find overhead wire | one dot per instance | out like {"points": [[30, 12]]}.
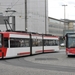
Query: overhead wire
{"points": [[14, 3], [11, 6]]}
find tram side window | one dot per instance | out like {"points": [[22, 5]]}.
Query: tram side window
{"points": [[5, 42], [37, 42], [50, 42], [46, 42], [14, 43], [27, 43], [57, 42], [19, 42]]}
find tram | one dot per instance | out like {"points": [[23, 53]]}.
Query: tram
{"points": [[16, 43]]}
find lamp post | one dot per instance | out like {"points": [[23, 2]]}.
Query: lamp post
{"points": [[45, 19], [26, 15], [64, 18]]}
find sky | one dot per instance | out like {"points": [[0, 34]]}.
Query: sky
{"points": [[56, 10]]}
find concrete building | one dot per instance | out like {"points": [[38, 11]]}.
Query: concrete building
{"points": [[60, 27], [30, 15], [55, 26]]}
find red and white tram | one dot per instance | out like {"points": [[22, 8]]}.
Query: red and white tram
{"points": [[14, 44]]}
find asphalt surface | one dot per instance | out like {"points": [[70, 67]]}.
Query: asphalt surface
{"points": [[42, 64]]}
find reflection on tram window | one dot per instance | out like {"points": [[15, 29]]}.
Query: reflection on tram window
{"points": [[27, 43], [37, 42], [50, 42], [17, 42], [46, 43]]}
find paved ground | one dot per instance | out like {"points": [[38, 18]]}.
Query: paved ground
{"points": [[43, 64], [59, 59]]}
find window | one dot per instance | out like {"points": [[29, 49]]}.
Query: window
{"points": [[6, 42], [27, 42], [19, 42], [71, 42], [37, 42], [51, 42]]}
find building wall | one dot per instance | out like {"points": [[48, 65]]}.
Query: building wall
{"points": [[74, 26], [35, 14], [19, 7], [55, 26], [58, 28], [71, 26]]}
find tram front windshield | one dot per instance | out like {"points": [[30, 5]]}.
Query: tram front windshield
{"points": [[71, 42], [0, 40]]}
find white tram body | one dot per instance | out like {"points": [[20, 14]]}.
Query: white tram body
{"points": [[14, 44]]}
